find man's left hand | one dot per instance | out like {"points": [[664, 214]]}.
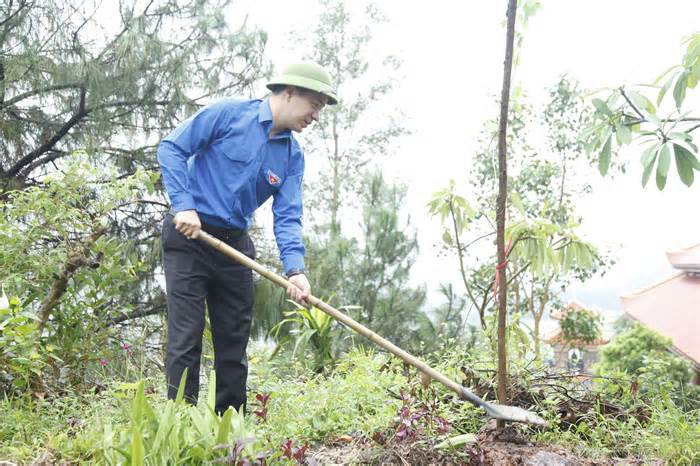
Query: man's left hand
{"points": [[300, 289]]}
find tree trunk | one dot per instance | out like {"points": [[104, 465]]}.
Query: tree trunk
{"points": [[501, 208], [335, 200], [539, 313], [76, 258], [536, 335]]}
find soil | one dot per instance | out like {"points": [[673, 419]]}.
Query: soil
{"points": [[504, 447]]}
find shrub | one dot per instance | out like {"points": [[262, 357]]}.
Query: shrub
{"points": [[581, 325], [640, 352], [23, 357]]}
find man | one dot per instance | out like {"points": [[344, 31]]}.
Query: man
{"points": [[218, 167]]}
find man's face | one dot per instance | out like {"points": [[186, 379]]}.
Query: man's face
{"points": [[303, 108]]}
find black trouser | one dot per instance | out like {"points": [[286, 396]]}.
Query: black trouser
{"points": [[195, 274]]}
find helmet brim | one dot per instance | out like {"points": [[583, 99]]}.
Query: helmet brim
{"points": [[305, 83]]}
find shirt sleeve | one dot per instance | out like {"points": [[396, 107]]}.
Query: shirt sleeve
{"points": [[193, 135], [287, 209]]}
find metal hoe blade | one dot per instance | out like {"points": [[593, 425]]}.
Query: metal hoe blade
{"points": [[503, 412], [513, 413]]}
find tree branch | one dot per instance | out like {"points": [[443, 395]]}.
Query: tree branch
{"points": [[137, 313], [9, 18], [634, 107], [48, 145], [25, 95], [75, 260], [29, 161]]}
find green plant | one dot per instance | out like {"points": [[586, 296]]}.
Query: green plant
{"points": [[23, 357], [354, 398], [309, 328], [581, 325], [665, 433], [69, 268], [625, 115], [644, 354], [173, 432]]}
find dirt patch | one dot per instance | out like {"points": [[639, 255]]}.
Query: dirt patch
{"points": [[366, 451], [506, 447]]}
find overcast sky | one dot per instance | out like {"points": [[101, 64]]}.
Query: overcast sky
{"points": [[452, 54]]}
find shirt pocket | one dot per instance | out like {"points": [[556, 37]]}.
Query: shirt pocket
{"points": [[239, 156]]}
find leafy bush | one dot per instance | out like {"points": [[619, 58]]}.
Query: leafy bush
{"points": [[60, 257], [643, 353], [581, 325], [23, 357]]}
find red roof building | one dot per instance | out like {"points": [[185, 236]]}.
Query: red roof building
{"points": [[672, 306]]}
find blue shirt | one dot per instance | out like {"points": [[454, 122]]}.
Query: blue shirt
{"points": [[223, 163]]}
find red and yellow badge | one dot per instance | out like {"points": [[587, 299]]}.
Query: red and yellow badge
{"points": [[272, 178]]}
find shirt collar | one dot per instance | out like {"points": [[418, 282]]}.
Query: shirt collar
{"points": [[264, 111], [265, 115]]}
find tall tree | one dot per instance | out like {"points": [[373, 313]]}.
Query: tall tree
{"points": [[69, 80], [501, 281], [377, 280], [364, 262], [340, 41], [110, 79], [542, 229]]}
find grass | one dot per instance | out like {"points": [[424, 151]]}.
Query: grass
{"points": [[355, 399], [50, 427], [289, 407], [669, 434]]}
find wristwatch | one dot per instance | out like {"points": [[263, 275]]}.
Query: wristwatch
{"points": [[293, 272]]}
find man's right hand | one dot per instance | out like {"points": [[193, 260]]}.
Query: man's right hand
{"points": [[187, 222]]}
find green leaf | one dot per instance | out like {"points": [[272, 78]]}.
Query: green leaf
{"points": [[602, 107], [679, 89], [651, 154], [137, 452], [181, 388], [641, 102], [224, 427], [665, 88], [624, 135], [680, 135], [138, 404], [683, 166], [662, 168], [688, 155], [211, 393], [517, 201], [198, 453], [447, 238], [604, 161], [456, 441]]}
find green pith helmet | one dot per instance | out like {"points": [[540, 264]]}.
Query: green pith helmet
{"points": [[308, 76]]}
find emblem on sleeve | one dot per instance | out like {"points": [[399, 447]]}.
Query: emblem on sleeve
{"points": [[272, 178]]}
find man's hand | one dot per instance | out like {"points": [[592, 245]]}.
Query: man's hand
{"points": [[187, 222], [300, 289]]}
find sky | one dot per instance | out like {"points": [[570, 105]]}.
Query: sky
{"points": [[452, 54]]}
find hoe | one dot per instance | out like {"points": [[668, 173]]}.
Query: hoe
{"points": [[496, 411]]}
